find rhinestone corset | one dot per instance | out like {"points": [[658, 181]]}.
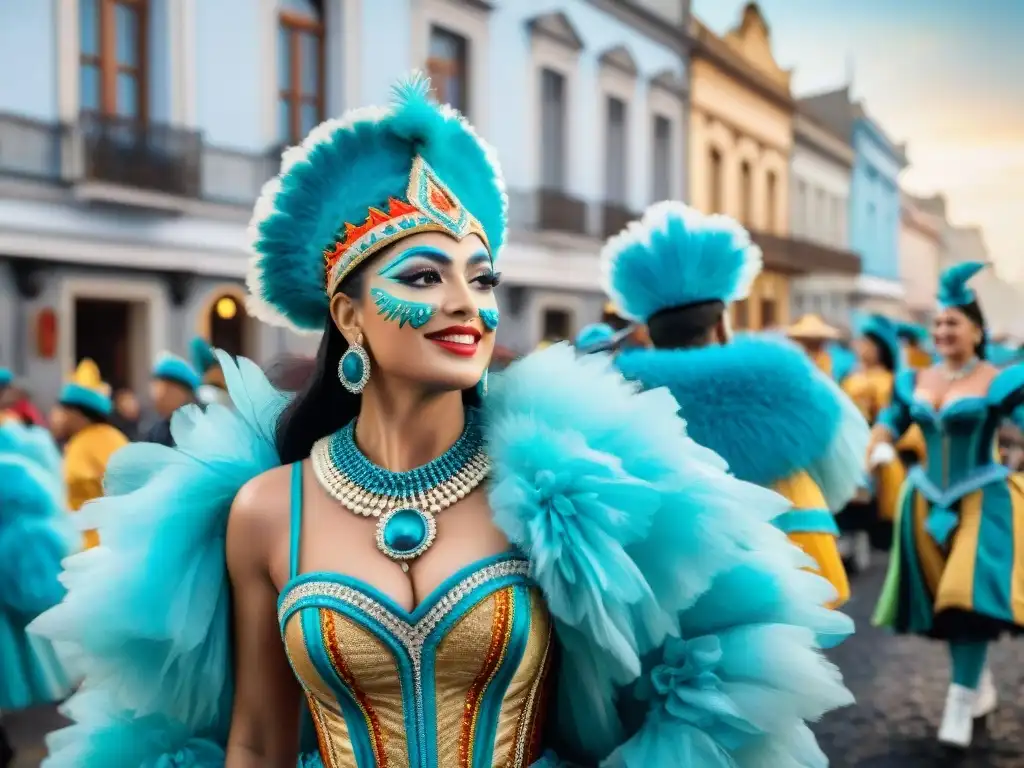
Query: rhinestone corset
{"points": [[459, 681]]}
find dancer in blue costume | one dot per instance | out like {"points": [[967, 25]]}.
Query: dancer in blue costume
{"points": [[957, 571], [759, 402], [33, 541], [439, 577]]}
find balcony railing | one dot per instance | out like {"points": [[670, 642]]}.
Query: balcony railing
{"points": [[156, 158], [615, 217], [29, 148], [560, 212]]}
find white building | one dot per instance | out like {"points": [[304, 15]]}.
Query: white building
{"points": [[821, 167], [136, 135], [921, 240]]}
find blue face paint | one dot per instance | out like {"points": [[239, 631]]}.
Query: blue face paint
{"points": [[392, 270], [415, 313], [490, 318]]}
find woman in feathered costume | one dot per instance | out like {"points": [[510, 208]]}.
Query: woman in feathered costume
{"points": [[759, 402], [957, 571], [33, 541], [438, 577]]}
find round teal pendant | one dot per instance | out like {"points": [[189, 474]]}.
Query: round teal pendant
{"points": [[405, 533]]}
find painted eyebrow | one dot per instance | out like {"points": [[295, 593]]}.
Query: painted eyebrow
{"points": [[426, 251], [477, 257]]}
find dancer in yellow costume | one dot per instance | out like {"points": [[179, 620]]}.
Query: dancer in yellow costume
{"points": [[80, 420], [759, 402]]}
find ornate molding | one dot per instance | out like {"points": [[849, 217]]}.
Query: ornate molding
{"points": [[620, 58], [556, 26]]}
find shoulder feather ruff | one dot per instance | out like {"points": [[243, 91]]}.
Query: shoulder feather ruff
{"points": [[689, 630], [764, 406], [146, 616]]}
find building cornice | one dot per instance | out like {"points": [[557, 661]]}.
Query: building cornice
{"points": [[811, 134], [649, 24], [708, 46]]}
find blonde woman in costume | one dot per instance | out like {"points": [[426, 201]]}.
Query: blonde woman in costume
{"points": [[758, 401], [957, 571], [439, 568]]}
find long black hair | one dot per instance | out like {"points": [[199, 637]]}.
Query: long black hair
{"points": [[323, 405], [885, 352]]}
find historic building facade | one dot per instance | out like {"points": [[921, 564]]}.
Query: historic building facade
{"points": [[820, 177], [136, 139], [875, 199], [741, 140], [922, 227]]}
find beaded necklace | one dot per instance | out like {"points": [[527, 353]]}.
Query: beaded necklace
{"points": [[405, 503], [955, 374]]}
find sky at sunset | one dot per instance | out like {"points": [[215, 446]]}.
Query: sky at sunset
{"points": [[946, 76]]}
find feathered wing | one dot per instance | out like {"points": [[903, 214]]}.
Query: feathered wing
{"points": [[765, 408], [146, 616], [687, 623]]}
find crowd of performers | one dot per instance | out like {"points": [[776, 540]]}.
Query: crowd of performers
{"points": [[628, 551]]}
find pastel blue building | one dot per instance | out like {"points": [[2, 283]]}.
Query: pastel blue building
{"points": [[135, 136], [875, 202]]}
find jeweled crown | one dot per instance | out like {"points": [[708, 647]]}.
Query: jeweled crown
{"points": [[430, 206]]}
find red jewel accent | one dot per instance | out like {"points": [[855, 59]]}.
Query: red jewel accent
{"points": [[440, 200]]}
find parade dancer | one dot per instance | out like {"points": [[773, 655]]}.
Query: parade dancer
{"points": [[80, 421], [33, 541], [956, 573], [411, 547], [172, 386], [817, 338], [758, 401], [915, 340], [213, 388]]}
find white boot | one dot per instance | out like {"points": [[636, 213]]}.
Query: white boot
{"points": [[987, 698], [958, 719]]}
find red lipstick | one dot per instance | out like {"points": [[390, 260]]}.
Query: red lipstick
{"points": [[460, 340]]}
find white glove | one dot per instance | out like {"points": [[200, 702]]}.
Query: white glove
{"points": [[883, 453]]}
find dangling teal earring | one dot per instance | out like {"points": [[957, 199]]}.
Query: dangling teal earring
{"points": [[481, 386], [354, 367]]}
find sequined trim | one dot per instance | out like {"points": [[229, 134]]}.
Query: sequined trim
{"points": [[501, 632], [373, 726], [526, 730]]}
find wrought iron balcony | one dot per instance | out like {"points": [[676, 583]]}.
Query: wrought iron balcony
{"points": [[29, 148], [146, 156], [561, 212], [615, 217]]}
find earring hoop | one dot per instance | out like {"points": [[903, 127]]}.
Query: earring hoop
{"points": [[354, 367]]}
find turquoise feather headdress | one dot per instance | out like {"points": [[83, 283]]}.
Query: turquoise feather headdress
{"points": [[359, 183], [201, 354], [884, 331], [912, 332], [675, 256], [953, 288]]}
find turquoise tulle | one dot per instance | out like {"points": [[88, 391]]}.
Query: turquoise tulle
{"points": [[151, 603], [637, 537], [647, 551], [34, 538]]}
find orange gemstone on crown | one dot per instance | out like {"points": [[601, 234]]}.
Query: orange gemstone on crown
{"points": [[440, 200]]}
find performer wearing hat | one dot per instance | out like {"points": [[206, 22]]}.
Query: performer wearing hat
{"points": [[956, 573], [173, 386], [212, 388], [759, 402], [815, 336], [915, 339], [81, 421], [440, 571]]}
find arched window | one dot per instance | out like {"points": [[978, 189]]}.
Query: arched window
{"points": [[228, 325]]}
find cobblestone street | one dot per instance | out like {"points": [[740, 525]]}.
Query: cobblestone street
{"points": [[900, 684]]}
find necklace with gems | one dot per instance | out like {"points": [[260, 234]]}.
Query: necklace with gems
{"points": [[955, 374], [405, 503]]}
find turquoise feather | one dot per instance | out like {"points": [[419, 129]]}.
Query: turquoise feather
{"points": [[953, 288], [201, 354]]}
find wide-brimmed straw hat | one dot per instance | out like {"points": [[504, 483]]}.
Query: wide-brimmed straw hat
{"points": [[812, 328]]}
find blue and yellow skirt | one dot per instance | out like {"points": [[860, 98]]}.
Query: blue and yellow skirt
{"points": [[969, 586]]}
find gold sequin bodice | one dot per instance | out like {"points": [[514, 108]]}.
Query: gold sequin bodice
{"points": [[459, 681]]}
